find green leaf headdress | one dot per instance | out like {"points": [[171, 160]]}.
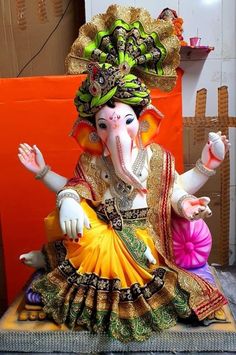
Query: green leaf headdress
{"points": [[118, 49]]}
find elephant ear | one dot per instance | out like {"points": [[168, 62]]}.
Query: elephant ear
{"points": [[86, 136], [149, 122]]}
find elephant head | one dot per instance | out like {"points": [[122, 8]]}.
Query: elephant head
{"points": [[116, 133]]}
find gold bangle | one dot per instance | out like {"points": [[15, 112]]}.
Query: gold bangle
{"points": [[43, 172], [179, 203], [66, 195], [204, 170]]}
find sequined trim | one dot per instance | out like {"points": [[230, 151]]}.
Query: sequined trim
{"points": [[54, 254], [204, 298], [135, 246], [100, 305], [113, 216], [135, 214], [142, 52], [93, 175], [104, 284], [82, 190], [88, 182]]}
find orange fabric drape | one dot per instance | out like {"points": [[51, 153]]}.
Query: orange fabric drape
{"points": [[40, 110]]}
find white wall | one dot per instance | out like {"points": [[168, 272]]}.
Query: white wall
{"points": [[215, 22]]}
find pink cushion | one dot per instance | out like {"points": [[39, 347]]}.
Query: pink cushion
{"points": [[192, 242]]}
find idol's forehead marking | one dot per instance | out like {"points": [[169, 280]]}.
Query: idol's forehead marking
{"points": [[115, 116]]}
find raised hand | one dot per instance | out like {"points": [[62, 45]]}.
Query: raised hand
{"points": [[214, 151], [31, 158], [196, 208]]}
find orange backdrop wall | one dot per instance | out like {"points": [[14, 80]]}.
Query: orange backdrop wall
{"points": [[40, 110]]}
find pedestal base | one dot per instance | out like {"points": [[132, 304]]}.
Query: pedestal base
{"points": [[45, 336]]}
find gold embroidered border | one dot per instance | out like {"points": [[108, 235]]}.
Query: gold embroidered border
{"points": [[93, 175], [82, 190], [54, 253], [76, 63], [203, 297], [56, 292], [154, 196]]}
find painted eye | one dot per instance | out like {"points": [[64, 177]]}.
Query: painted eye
{"points": [[129, 120], [102, 125]]}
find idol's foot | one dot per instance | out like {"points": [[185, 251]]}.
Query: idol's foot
{"points": [[149, 256], [34, 259]]}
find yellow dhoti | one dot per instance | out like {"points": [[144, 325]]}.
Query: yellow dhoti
{"points": [[101, 251], [105, 283]]}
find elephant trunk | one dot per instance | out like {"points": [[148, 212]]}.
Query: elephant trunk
{"points": [[121, 156]]}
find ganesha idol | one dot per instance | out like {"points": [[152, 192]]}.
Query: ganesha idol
{"points": [[132, 248]]}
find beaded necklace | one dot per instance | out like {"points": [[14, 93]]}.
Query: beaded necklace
{"points": [[124, 193]]}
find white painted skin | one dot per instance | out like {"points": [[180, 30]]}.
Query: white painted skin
{"points": [[72, 217], [33, 160], [34, 259], [149, 256], [118, 128], [217, 146]]}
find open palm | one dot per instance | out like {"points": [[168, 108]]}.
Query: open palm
{"points": [[31, 158], [196, 208]]}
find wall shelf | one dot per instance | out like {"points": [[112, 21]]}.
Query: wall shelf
{"points": [[195, 53]]}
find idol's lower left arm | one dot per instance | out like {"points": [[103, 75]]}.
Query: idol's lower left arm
{"points": [[54, 181], [191, 181]]}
